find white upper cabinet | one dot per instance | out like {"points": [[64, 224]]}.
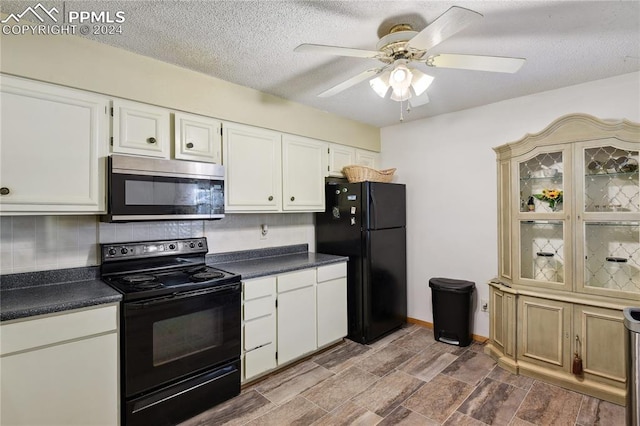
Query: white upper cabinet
{"points": [[53, 143], [304, 162], [340, 156], [140, 129], [197, 138], [252, 159], [269, 171], [367, 158]]}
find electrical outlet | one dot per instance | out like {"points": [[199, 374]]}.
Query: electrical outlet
{"points": [[264, 230], [484, 305]]}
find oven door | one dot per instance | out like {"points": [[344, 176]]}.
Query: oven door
{"points": [[169, 338], [145, 197]]}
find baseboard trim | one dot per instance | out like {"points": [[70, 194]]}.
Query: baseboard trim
{"points": [[475, 337]]}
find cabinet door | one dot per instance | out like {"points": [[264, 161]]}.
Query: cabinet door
{"points": [[599, 338], [140, 129], [502, 321], [541, 201], [304, 165], [544, 333], [296, 315], [340, 156], [367, 158], [332, 311], [53, 143], [252, 159], [197, 138], [74, 383], [608, 226]]}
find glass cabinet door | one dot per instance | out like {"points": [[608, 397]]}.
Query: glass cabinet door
{"points": [[542, 251], [542, 226], [541, 183], [610, 180], [609, 229]]}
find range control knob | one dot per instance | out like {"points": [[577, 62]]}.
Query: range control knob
{"points": [[124, 250], [172, 246], [200, 244], [192, 244], [112, 252]]}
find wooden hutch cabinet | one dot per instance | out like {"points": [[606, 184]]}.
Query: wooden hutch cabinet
{"points": [[569, 253]]}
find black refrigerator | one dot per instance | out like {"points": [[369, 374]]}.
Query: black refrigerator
{"points": [[366, 222]]}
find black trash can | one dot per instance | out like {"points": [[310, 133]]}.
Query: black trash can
{"points": [[452, 300]]}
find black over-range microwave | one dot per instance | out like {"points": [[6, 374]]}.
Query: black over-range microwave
{"points": [[143, 188]]}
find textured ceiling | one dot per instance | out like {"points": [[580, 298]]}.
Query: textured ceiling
{"points": [[251, 43]]}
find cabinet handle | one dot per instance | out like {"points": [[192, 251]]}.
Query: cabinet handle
{"points": [[151, 140], [293, 198], [4, 191], [189, 145], [270, 197]]}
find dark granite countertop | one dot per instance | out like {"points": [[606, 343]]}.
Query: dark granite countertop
{"points": [[271, 261], [45, 292]]}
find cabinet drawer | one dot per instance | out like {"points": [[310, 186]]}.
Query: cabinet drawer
{"points": [[259, 287], [298, 279], [259, 361], [29, 334], [258, 308], [331, 272], [259, 332]]}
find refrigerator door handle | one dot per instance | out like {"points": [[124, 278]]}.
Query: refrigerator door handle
{"points": [[372, 209]]}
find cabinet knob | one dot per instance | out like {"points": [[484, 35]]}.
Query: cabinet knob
{"points": [[270, 197], [4, 191], [293, 198], [151, 140], [189, 145]]}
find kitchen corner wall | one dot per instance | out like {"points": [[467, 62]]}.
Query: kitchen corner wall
{"points": [[449, 167], [37, 243]]}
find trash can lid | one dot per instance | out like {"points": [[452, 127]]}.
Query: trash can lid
{"points": [[450, 284], [632, 319]]}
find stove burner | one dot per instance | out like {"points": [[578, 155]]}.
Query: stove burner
{"points": [[138, 279], [141, 282], [207, 275]]}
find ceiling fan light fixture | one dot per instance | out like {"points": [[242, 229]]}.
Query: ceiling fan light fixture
{"points": [[420, 82], [400, 77], [380, 84], [401, 95]]}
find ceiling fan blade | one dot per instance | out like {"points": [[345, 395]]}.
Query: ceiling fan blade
{"points": [[336, 50], [454, 20], [417, 101], [475, 62], [351, 82]]}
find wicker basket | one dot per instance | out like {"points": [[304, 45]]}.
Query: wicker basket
{"points": [[362, 173]]}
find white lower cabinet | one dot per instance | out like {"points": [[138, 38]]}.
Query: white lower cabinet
{"points": [[296, 314], [259, 326], [289, 316], [331, 299], [61, 369]]}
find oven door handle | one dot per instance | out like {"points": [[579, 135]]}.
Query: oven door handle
{"points": [[226, 288]]}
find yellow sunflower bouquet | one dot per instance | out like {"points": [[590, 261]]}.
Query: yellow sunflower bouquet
{"points": [[551, 196]]}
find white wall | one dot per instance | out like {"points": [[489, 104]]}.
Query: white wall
{"points": [[38, 243], [449, 167]]}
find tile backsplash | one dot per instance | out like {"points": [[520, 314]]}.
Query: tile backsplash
{"points": [[37, 243]]}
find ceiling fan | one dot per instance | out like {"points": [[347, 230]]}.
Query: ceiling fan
{"points": [[403, 46]]}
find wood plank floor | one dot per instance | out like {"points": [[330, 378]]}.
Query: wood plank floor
{"points": [[406, 378]]}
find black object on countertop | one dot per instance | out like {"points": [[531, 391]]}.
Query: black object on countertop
{"points": [[451, 300], [366, 222]]}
